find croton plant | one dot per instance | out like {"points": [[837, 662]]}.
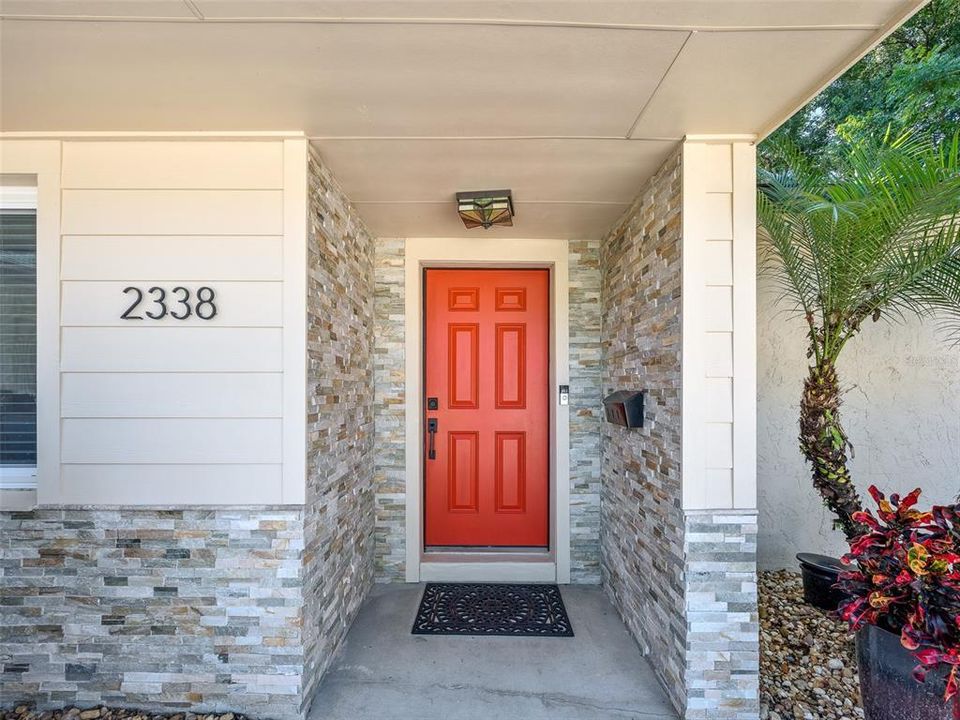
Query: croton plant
{"points": [[907, 580]]}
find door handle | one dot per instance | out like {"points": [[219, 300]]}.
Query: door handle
{"points": [[432, 448]]}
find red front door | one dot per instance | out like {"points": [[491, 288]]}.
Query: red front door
{"points": [[487, 468]]}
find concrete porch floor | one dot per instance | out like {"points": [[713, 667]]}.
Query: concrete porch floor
{"points": [[386, 673]]}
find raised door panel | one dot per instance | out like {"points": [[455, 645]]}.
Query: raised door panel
{"points": [[510, 368], [464, 370], [510, 472], [463, 471]]}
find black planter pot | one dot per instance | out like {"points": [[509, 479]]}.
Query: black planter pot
{"points": [[887, 687], [820, 573]]}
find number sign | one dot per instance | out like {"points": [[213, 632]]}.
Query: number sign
{"points": [[181, 304]]}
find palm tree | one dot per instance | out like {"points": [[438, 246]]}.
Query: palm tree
{"points": [[875, 235]]}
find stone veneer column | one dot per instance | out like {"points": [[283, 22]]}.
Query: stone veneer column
{"points": [[720, 588], [338, 561], [584, 304], [642, 523], [678, 523], [389, 399], [719, 427]]}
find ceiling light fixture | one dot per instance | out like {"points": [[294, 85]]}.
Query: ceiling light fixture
{"points": [[485, 208]]}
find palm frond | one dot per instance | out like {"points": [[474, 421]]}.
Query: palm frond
{"points": [[877, 233]]}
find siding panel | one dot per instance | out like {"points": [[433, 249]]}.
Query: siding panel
{"points": [[108, 441], [166, 349], [172, 212], [161, 484], [173, 165], [237, 304], [184, 395], [200, 258]]}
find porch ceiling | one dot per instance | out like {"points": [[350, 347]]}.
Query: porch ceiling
{"points": [[572, 104]]}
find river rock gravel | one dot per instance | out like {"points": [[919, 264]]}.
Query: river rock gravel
{"points": [[808, 668]]}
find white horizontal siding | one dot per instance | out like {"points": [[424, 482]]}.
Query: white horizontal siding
{"points": [[717, 168], [719, 445], [718, 354], [172, 164], [180, 411], [160, 484], [166, 440], [717, 209], [172, 212], [718, 262], [171, 349], [719, 400], [237, 304], [194, 257], [718, 491], [719, 310], [159, 395]]}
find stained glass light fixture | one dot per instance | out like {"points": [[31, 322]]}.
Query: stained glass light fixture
{"points": [[485, 208]]}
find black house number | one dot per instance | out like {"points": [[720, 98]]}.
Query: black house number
{"points": [[178, 304]]}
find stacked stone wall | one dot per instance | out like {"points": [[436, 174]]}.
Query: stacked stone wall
{"points": [[641, 524], [169, 609], [338, 562], [684, 581], [585, 410], [390, 374], [390, 414]]}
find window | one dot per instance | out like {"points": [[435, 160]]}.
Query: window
{"points": [[18, 337]]}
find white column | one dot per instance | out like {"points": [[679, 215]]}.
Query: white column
{"points": [[719, 323]]}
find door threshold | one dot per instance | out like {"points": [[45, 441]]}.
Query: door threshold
{"points": [[483, 556], [487, 550], [482, 567]]}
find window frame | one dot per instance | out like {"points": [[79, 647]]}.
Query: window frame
{"points": [[21, 198], [38, 161]]}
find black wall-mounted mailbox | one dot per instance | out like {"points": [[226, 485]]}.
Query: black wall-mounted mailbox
{"points": [[624, 407]]}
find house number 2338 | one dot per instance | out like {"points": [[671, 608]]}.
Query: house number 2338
{"points": [[179, 304]]}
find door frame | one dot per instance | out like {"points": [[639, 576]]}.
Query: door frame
{"points": [[553, 564]]}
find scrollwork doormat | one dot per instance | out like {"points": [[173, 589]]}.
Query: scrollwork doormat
{"points": [[492, 609]]}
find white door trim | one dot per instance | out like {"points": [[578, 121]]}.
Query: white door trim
{"points": [[477, 251]]}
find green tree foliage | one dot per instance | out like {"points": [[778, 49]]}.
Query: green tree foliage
{"points": [[909, 83], [874, 233]]}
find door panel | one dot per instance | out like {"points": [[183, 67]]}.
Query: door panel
{"points": [[486, 363]]}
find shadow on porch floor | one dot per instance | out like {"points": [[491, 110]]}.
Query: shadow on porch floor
{"points": [[385, 673]]}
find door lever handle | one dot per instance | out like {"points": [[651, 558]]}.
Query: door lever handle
{"points": [[432, 448]]}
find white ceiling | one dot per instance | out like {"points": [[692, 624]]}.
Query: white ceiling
{"points": [[571, 104]]}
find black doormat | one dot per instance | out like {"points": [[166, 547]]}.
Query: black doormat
{"points": [[492, 609]]}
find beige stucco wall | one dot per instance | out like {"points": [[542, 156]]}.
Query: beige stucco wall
{"points": [[902, 412]]}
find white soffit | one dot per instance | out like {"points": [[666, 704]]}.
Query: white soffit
{"points": [[572, 104], [723, 82], [330, 80], [572, 170], [687, 13], [97, 8], [533, 220]]}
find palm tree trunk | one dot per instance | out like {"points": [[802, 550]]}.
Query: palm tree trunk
{"points": [[824, 444]]}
